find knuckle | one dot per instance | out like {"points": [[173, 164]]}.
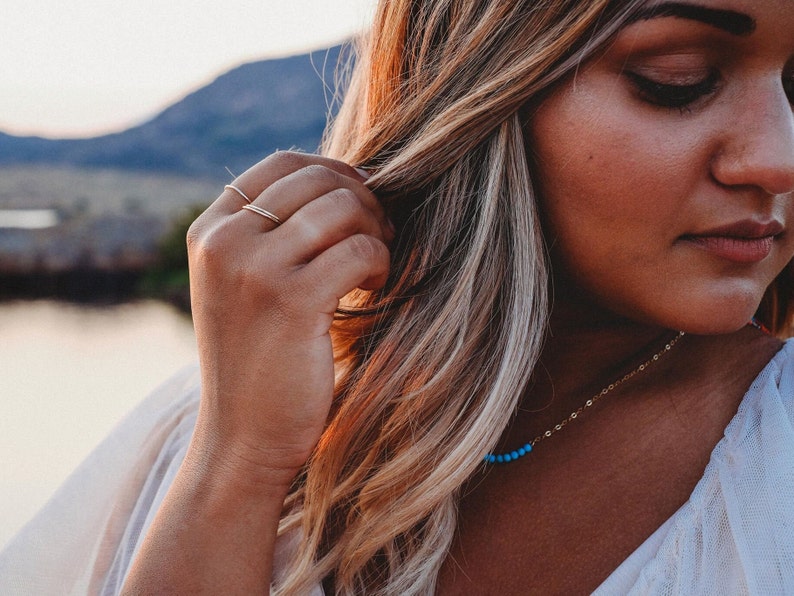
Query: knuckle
{"points": [[365, 248], [199, 238], [286, 161], [194, 233], [208, 245], [345, 201], [322, 174], [223, 265], [310, 226]]}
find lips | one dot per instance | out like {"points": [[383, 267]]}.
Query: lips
{"points": [[740, 242]]}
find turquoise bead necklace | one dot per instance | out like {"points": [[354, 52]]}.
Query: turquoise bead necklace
{"points": [[503, 458]]}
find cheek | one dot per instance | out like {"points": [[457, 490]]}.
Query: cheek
{"points": [[617, 189], [607, 173]]}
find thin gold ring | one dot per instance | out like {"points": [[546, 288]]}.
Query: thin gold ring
{"points": [[239, 192], [264, 213]]}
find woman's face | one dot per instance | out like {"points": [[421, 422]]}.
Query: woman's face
{"points": [[666, 165]]}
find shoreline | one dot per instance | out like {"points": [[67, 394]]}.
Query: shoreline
{"points": [[90, 287]]}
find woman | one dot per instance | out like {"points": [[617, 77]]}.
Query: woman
{"points": [[564, 216]]}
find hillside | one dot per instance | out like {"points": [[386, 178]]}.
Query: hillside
{"points": [[233, 122]]}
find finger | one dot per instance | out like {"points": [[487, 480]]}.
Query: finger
{"points": [[240, 192], [272, 218], [288, 195], [326, 221], [274, 167], [358, 261], [293, 194]]}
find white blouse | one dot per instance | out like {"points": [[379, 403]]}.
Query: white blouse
{"points": [[735, 534]]}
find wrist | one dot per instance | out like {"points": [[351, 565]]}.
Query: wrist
{"points": [[233, 467]]}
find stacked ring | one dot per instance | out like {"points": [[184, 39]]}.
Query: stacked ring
{"points": [[264, 213], [238, 191]]}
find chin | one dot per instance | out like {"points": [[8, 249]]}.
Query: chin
{"points": [[700, 309], [716, 327], [721, 314]]}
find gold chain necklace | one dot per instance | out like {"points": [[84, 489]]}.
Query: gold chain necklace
{"points": [[504, 458]]}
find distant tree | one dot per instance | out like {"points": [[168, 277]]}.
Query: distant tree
{"points": [[168, 279]]}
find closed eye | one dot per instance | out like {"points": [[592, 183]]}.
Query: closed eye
{"points": [[673, 95]]}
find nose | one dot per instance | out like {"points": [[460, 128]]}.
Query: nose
{"points": [[760, 149]]}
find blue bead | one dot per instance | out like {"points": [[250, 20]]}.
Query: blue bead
{"points": [[504, 458]]}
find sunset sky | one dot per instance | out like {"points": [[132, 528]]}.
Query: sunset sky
{"points": [[88, 67]]}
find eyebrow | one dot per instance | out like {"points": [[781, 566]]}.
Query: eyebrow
{"points": [[735, 23]]}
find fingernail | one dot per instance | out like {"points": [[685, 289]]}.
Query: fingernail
{"points": [[363, 173]]}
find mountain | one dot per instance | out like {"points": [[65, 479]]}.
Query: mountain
{"points": [[233, 122]]}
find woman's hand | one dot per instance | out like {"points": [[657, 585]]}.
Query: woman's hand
{"points": [[264, 297]]}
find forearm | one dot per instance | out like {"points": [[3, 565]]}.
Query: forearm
{"points": [[214, 534]]}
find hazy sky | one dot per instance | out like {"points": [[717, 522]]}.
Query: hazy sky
{"points": [[91, 66]]}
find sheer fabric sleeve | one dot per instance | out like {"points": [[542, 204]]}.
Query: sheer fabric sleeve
{"points": [[84, 538], [735, 534]]}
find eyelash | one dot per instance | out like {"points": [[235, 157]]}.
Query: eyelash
{"points": [[674, 96]]}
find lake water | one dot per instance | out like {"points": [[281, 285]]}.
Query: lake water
{"points": [[67, 375], [28, 219]]}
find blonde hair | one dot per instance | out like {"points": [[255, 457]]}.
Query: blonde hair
{"points": [[430, 369]]}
